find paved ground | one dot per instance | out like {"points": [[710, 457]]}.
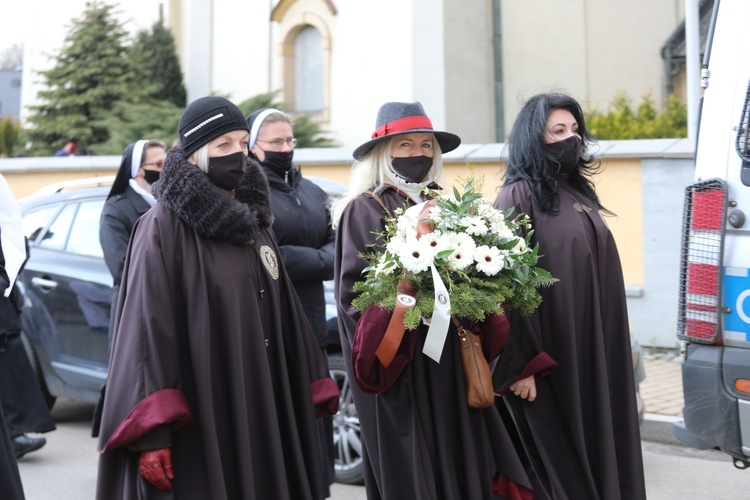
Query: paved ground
{"points": [[662, 389], [66, 468], [662, 395]]}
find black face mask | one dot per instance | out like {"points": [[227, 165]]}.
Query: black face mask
{"points": [[276, 160], [568, 152], [151, 176], [412, 168], [226, 171]]}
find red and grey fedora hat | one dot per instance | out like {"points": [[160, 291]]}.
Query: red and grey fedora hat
{"points": [[399, 118]]}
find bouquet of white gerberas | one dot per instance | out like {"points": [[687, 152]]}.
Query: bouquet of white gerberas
{"points": [[476, 252]]}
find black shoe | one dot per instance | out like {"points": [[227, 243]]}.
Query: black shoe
{"points": [[24, 444]]}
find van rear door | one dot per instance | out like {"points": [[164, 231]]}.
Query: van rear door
{"points": [[714, 302]]}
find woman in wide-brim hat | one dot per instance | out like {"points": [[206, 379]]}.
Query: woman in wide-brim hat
{"points": [[420, 438]]}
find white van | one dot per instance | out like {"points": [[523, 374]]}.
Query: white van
{"points": [[714, 302]]}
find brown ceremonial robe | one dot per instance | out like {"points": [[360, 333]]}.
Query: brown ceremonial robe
{"points": [[211, 343], [582, 431], [420, 439]]}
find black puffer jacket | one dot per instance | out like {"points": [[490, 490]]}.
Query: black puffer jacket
{"points": [[303, 230]]}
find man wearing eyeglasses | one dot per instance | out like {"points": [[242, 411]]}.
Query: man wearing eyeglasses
{"points": [[128, 199], [302, 225]]}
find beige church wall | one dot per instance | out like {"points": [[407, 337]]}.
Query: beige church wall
{"points": [[24, 184], [619, 189]]}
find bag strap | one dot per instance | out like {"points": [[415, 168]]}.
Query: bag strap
{"points": [[457, 324], [380, 200]]}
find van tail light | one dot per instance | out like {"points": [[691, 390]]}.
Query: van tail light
{"points": [[703, 220], [742, 385]]}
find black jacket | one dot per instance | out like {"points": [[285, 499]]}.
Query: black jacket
{"points": [[302, 227], [118, 218], [9, 322]]}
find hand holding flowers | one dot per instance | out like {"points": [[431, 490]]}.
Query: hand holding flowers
{"points": [[481, 255]]}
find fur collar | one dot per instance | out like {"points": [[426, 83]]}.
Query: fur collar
{"points": [[212, 212]]}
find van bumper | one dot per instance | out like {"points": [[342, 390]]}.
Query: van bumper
{"points": [[713, 417]]}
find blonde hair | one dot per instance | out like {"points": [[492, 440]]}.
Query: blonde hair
{"points": [[369, 174], [200, 157]]}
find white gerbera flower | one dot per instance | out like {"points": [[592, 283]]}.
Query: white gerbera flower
{"points": [[489, 260], [501, 228], [416, 255], [474, 225], [436, 240], [461, 258], [520, 247], [396, 242], [462, 240], [406, 225]]}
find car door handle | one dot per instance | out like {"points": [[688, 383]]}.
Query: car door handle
{"points": [[44, 283]]}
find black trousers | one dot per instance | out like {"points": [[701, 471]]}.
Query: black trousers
{"points": [[23, 405]]}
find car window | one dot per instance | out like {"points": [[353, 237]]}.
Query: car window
{"points": [[57, 233], [35, 221], [84, 235]]}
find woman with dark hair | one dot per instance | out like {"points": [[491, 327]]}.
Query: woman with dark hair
{"points": [[579, 424]]}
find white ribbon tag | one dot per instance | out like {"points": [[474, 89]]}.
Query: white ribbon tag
{"points": [[440, 322]]}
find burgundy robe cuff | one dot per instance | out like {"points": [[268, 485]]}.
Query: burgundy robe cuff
{"points": [[494, 333], [370, 374], [509, 489], [325, 394], [166, 406], [540, 366]]}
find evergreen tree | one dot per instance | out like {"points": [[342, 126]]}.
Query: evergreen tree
{"points": [[91, 74], [156, 66], [147, 120], [9, 129], [309, 133]]}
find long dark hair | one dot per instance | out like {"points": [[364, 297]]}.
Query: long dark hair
{"points": [[530, 160]]}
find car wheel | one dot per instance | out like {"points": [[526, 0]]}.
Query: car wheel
{"points": [[49, 399], [347, 443]]}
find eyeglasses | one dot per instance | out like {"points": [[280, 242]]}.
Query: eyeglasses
{"points": [[159, 163], [279, 143]]}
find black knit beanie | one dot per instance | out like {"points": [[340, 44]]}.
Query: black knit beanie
{"points": [[206, 119]]}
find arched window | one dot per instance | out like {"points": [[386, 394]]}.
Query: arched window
{"points": [[308, 71]]}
